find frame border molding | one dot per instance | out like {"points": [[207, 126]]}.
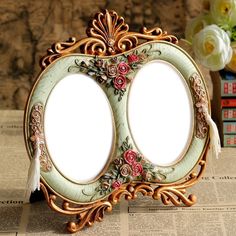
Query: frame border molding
{"points": [[109, 35]]}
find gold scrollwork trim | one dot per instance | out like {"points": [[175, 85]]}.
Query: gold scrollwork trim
{"points": [[108, 34], [36, 135], [167, 193], [86, 214], [201, 105]]}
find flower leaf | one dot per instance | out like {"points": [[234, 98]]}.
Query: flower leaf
{"points": [[116, 91], [77, 62], [91, 73], [233, 34], [166, 170]]}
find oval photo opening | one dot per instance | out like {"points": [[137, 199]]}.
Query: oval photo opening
{"points": [[78, 128], [160, 112]]}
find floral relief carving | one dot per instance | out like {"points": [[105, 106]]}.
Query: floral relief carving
{"points": [[108, 34], [115, 73], [129, 166], [129, 173], [37, 137], [201, 105]]}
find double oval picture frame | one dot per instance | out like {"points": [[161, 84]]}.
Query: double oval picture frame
{"points": [[116, 114]]}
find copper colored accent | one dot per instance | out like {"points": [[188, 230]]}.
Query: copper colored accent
{"points": [[87, 214], [168, 193], [36, 130], [108, 34], [200, 97]]}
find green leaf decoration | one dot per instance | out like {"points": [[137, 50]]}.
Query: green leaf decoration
{"points": [[99, 69]]}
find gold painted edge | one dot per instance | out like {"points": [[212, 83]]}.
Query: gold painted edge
{"points": [[178, 182]]}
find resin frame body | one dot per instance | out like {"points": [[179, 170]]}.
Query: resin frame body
{"points": [[112, 56]]}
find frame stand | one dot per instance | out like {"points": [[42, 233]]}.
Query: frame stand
{"points": [[87, 214], [109, 35]]}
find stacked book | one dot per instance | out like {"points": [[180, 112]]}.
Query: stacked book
{"points": [[224, 106]]}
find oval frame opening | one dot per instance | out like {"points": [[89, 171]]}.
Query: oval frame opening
{"points": [[83, 129], [156, 89]]}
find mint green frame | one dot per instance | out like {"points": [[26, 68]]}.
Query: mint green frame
{"points": [[57, 70]]}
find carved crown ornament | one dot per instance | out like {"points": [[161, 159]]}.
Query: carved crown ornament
{"points": [[108, 34]]}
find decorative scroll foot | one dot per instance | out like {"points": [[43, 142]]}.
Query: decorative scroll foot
{"points": [[86, 214], [171, 195], [89, 213], [167, 193], [88, 217]]}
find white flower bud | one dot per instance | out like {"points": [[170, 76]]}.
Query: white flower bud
{"points": [[223, 12], [195, 25]]}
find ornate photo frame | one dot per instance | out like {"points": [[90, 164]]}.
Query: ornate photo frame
{"points": [[111, 45]]}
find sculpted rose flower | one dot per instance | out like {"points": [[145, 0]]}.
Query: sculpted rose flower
{"points": [[212, 47], [125, 170], [137, 169], [118, 161], [132, 58], [119, 82], [114, 60], [123, 68], [112, 70], [116, 184], [223, 12], [158, 178], [105, 185], [146, 176], [130, 156], [99, 63], [195, 25], [101, 79], [142, 56]]}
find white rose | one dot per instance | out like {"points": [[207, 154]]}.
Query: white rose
{"points": [[223, 12], [212, 48], [195, 25]]}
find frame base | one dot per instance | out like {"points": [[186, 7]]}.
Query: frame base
{"points": [[87, 214]]}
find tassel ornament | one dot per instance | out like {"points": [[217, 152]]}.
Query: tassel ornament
{"points": [[33, 182], [215, 146]]}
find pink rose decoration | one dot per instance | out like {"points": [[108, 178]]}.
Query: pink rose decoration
{"points": [[137, 169], [116, 184], [130, 156], [132, 58], [123, 68], [119, 82]]}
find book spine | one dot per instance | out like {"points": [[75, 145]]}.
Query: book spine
{"points": [[228, 88], [229, 127], [231, 102], [229, 114], [230, 140]]}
